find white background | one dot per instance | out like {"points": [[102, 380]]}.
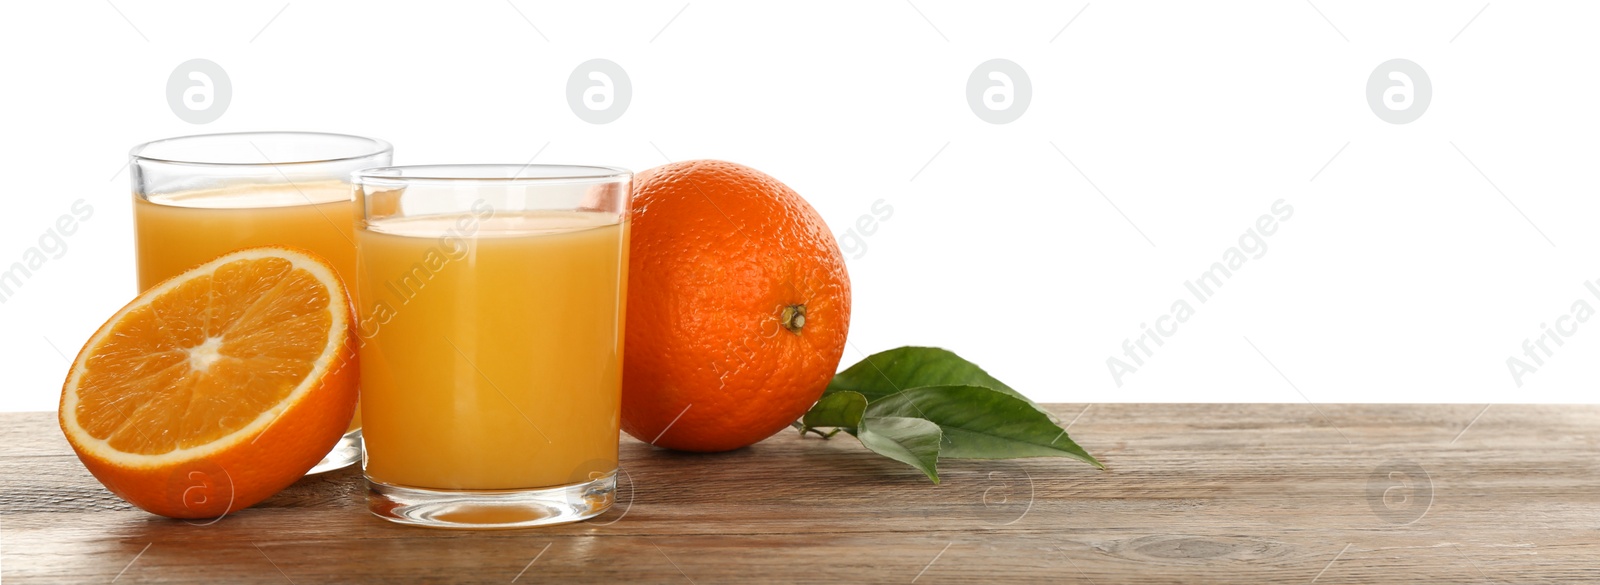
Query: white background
{"points": [[1404, 275]]}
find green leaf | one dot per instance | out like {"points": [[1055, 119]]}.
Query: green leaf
{"points": [[919, 404], [981, 423], [911, 441], [885, 373], [840, 409]]}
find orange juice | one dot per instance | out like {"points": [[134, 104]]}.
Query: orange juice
{"points": [[492, 354], [178, 231], [181, 230]]}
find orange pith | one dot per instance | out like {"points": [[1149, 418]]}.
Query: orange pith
{"points": [[217, 388]]}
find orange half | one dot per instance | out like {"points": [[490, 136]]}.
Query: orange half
{"points": [[219, 387]]}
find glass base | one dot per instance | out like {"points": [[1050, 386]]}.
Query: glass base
{"points": [[344, 454], [489, 509]]}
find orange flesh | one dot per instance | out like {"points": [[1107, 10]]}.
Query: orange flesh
{"points": [[202, 360]]}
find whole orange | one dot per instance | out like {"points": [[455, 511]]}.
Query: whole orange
{"points": [[738, 305]]}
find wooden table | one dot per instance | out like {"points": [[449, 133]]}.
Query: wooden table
{"points": [[1211, 493]]}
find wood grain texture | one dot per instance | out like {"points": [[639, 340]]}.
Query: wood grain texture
{"points": [[1195, 493]]}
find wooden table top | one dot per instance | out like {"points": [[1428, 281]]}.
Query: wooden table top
{"points": [[1194, 493]]}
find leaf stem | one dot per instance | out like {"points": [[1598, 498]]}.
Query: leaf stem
{"points": [[828, 435]]}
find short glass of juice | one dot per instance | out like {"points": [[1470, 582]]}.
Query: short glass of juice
{"points": [[492, 307], [199, 197]]}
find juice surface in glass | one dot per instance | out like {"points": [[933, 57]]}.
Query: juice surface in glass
{"points": [[178, 231], [493, 348]]}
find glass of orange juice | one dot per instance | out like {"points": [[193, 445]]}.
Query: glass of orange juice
{"points": [[492, 305], [198, 197]]}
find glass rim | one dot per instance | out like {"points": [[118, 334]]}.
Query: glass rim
{"points": [[485, 173], [379, 147]]}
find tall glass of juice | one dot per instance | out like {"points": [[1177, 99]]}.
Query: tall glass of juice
{"points": [[492, 327], [198, 197]]}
